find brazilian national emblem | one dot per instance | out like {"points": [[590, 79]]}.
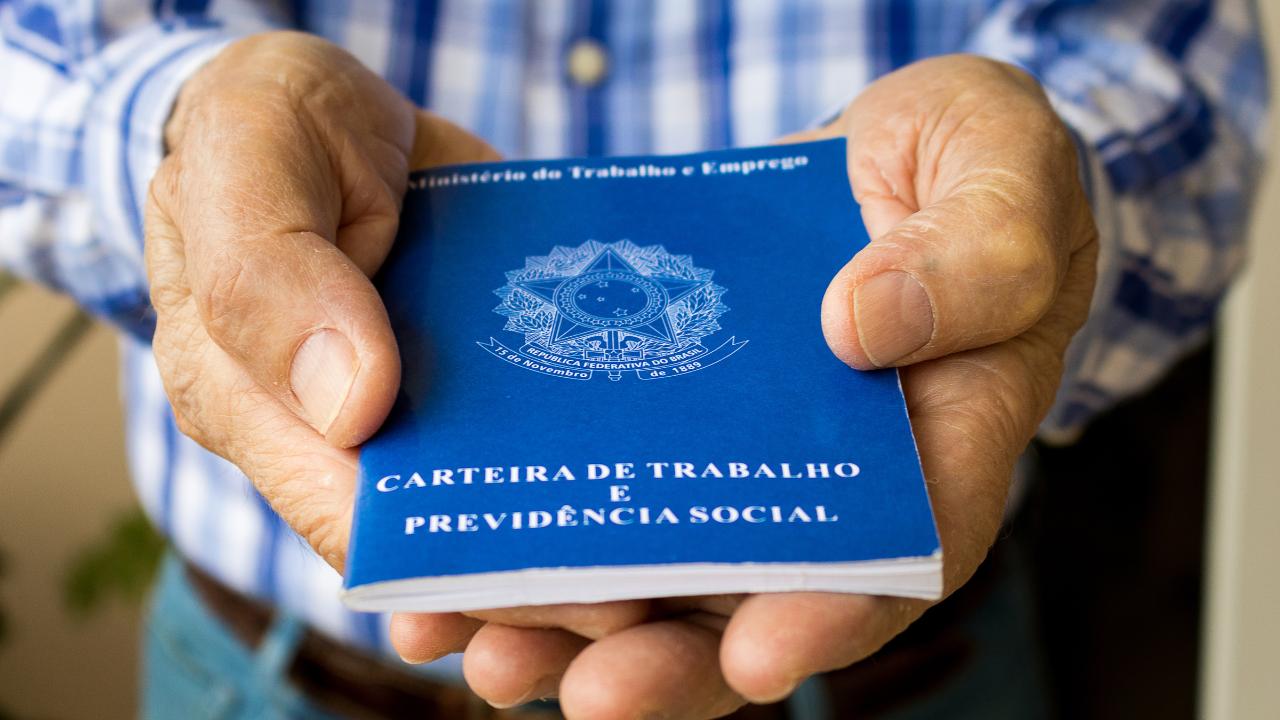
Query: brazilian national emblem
{"points": [[614, 308]]}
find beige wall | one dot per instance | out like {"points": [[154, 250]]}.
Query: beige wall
{"points": [[62, 479], [1242, 624]]}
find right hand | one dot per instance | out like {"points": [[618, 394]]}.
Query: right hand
{"points": [[278, 199]]}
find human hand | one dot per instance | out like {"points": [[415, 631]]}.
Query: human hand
{"points": [[980, 271], [279, 197]]}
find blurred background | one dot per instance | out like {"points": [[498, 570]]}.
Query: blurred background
{"points": [[1155, 539], [65, 652]]}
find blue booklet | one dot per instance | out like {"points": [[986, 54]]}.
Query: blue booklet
{"points": [[615, 385]]}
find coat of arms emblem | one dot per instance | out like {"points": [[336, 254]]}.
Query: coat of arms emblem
{"points": [[616, 308]]}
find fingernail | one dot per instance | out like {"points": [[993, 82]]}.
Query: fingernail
{"points": [[786, 691], [894, 317], [527, 696], [321, 376]]}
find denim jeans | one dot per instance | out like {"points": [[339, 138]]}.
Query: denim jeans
{"points": [[195, 669]]}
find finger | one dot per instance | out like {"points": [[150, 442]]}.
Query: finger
{"points": [[884, 198], [424, 637], [666, 669], [826, 132], [590, 620], [511, 666], [256, 225], [775, 641], [969, 271], [439, 142], [371, 214]]}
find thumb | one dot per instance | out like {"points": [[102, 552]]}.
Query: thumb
{"points": [[261, 218], [439, 142], [279, 238], [305, 323], [965, 272], [977, 267]]}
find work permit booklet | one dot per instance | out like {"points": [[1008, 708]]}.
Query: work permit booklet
{"points": [[615, 385]]}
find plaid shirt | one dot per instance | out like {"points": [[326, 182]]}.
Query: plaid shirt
{"points": [[1167, 98]]}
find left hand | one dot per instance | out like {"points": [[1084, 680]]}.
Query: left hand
{"points": [[980, 271]]}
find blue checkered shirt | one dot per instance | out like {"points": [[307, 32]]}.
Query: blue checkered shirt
{"points": [[1168, 99]]}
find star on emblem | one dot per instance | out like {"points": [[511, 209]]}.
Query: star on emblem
{"points": [[627, 302]]}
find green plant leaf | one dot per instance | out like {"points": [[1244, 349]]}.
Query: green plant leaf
{"points": [[120, 565]]}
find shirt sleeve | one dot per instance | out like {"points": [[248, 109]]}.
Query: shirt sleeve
{"points": [[1168, 103], [85, 91]]}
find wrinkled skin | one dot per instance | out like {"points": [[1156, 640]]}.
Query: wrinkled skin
{"points": [[280, 197]]}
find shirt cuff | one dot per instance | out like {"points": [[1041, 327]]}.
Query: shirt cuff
{"points": [[1083, 393], [124, 135]]}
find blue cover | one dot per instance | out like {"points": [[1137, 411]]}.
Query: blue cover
{"points": [[575, 315]]}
